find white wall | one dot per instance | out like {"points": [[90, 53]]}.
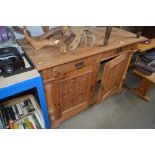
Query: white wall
{"points": [[35, 31]]}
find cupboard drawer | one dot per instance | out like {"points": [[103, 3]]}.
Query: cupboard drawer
{"points": [[78, 64], [115, 52], [47, 74]]}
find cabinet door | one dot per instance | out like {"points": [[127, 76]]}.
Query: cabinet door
{"points": [[113, 75], [72, 92]]}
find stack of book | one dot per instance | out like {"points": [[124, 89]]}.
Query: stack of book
{"points": [[21, 114]]}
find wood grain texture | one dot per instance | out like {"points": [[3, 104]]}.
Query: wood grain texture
{"points": [[51, 56], [145, 84], [49, 101], [45, 28], [149, 78], [73, 89], [112, 76], [142, 89], [145, 47], [38, 43]]}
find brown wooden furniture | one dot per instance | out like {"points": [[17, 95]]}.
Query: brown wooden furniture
{"points": [[73, 82], [145, 47], [146, 82]]}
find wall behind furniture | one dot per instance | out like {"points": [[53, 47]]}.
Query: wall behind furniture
{"points": [[148, 31], [35, 31]]}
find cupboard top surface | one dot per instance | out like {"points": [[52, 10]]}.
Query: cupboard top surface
{"points": [[51, 56]]}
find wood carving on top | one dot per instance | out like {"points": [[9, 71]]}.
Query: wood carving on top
{"points": [[80, 34], [41, 41], [59, 36]]}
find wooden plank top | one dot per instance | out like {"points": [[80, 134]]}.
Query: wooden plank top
{"points": [[51, 56], [145, 47], [150, 78]]}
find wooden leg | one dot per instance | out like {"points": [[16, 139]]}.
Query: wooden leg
{"points": [[55, 124], [141, 91]]}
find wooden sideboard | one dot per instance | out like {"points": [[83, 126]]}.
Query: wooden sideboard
{"points": [[74, 81]]}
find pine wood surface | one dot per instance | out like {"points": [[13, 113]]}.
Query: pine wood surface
{"points": [[145, 84], [50, 56], [145, 47], [149, 78], [112, 77]]}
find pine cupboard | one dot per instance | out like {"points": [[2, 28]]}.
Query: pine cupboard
{"points": [[73, 82]]}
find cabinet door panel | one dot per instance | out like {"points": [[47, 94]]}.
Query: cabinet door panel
{"points": [[73, 91], [113, 75]]}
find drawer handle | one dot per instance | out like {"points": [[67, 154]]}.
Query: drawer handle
{"points": [[79, 65], [119, 50]]}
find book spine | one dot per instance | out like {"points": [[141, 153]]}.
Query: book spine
{"points": [[36, 121], [2, 119], [11, 113], [32, 125], [26, 105], [15, 112], [19, 109], [7, 114], [1, 123], [11, 124], [27, 123], [24, 125], [23, 108], [4, 116], [32, 121], [30, 105], [16, 126], [40, 119], [34, 104], [20, 125]]}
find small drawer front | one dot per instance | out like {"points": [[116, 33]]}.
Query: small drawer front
{"points": [[115, 52], [47, 74], [78, 64], [123, 49]]}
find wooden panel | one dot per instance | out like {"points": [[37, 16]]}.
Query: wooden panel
{"points": [[143, 88], [112, 76], [74, 90], [150, 78], [50, 56], [145, 47], [47, 74], [73, 111], [118, 51], [68, 67]]}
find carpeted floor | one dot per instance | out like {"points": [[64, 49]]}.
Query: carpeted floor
{"points": [[123, 111]]}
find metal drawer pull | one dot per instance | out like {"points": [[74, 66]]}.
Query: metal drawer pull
{"points": [[79, 65], [119, 50]]}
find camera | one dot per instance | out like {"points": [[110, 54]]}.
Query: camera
{"points": [[10, 61]]}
